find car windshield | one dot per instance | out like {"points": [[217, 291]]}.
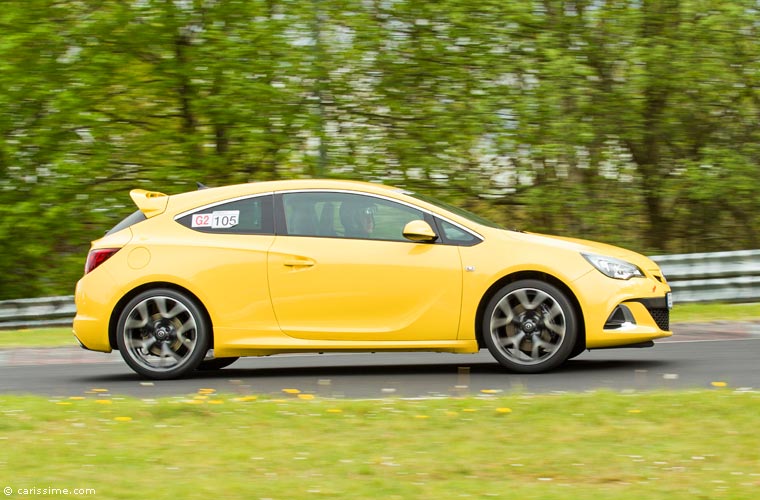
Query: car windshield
{"points": [[455, 210]]}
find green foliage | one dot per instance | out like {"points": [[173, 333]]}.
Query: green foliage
{"points": [[634, 123]]}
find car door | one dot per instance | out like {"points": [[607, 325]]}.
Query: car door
{"points": [[225, 260], [331, 278]]}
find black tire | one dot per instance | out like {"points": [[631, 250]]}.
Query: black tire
{"points": [[211, 363], [529, 326], [578, 350], [162, 334]]}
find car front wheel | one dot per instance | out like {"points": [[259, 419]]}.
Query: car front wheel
{"points": [[529, 326], [162, 334]]}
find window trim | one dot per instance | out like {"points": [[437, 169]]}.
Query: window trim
{"points": [[267, 214], [430, 217]]}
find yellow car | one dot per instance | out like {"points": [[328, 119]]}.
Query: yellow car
{"points": [[196, 280]]}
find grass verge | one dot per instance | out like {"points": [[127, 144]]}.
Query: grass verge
{"points": [[685, 313], [603, 445], [37, 337]]}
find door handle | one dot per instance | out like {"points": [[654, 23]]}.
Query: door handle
{"points": [[295, 262]]}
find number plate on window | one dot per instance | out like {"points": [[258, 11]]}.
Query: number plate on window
{"points": [[217, 220]]}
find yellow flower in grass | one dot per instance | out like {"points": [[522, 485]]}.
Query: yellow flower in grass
{"points": [[245, 399]]}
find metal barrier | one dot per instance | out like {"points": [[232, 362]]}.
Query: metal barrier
{"points": [[37, 313], [694, 277], [713, 277]]}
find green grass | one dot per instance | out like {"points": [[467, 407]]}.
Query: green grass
{"points": [[603, 445], [683, 313], [609, 446], [37, 337], [56, 337]]}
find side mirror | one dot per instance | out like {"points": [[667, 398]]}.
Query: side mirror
{"points": [[420, 232]]}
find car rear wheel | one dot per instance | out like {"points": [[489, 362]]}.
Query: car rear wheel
{"points": [[529, 326], [162, 334]]}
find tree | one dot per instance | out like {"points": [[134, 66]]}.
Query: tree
{"points": [[629, 121]]}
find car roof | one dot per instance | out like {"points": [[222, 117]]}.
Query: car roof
{"points": [[191, 199]]}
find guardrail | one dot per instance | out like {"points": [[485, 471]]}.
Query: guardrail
{"points": [[37, 313], [713, 277], [694, 277]]}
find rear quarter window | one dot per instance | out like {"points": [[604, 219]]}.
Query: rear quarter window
{"points": [[242, 216], [128, 221]]}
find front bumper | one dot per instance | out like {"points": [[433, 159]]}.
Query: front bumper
{"points": [[622, 317], [620, 313]]}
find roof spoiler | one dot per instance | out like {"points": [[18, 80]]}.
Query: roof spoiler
{"points": [[150, 203]]}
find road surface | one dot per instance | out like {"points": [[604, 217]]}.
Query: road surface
{"points": [[697, 356]]}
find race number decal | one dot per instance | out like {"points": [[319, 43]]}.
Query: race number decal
{"points": [[222, 219], [202, 220], [225, 219]]}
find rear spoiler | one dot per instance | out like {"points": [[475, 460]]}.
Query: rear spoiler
{"points": [[150, 203]]}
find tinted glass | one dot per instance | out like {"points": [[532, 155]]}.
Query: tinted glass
{"points": [[245, 216], [344, 215], [455, 235], [128, 221]]}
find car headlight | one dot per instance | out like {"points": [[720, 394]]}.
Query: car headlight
{"points": [[612, 267]]}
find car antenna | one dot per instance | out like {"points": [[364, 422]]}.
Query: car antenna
{"points": [[201, 185]]}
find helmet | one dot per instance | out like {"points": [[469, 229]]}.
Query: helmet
{"points": [[357, 217]]}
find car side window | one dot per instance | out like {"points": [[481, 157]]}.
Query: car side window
{"points": [[346, 215], [243, 216], [455, 235]]}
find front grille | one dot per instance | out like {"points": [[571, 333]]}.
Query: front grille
{"points": [[661, 316]]}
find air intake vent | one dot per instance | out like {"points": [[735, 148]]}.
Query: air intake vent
{"points": [[661, 316]]}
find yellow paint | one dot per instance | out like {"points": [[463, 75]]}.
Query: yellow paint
{"points": [[348, 294]]}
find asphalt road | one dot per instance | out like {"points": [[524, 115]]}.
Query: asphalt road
{"points": [[697, 356]]}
